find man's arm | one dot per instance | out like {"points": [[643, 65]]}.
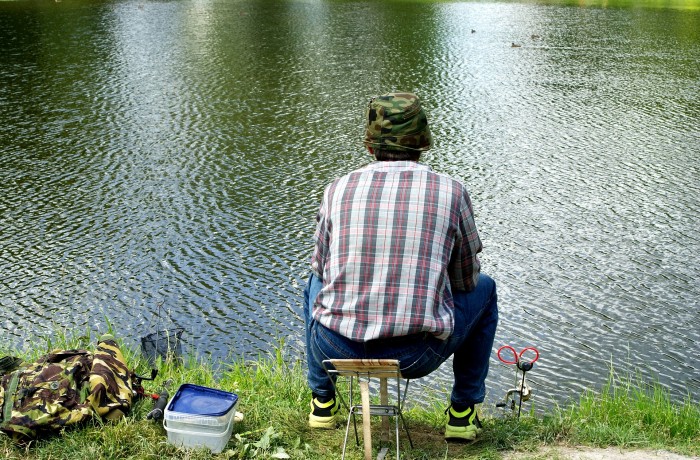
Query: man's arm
{"points": [[464, 264], [321, 240]]}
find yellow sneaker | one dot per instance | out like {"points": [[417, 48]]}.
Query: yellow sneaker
{"points": [[462, 426], [323, 414]]}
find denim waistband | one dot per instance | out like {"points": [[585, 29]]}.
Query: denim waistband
{"points": [[385, 342], [400, 341]]}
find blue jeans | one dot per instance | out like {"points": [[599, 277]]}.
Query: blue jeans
{"points": [[476, 318]]}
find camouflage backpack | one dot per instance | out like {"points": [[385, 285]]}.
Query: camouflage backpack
{"points": [[64, 388]]}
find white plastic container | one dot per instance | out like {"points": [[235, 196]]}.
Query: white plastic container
{"points": [[200, 417]]}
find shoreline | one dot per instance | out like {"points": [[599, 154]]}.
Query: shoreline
{"points": [[626, 421], [596, 453]]}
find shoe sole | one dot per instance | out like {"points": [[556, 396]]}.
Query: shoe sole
{"points": [[323, 423], [461, 434]]}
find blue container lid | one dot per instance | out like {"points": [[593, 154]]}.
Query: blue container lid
{"points": [[197, 400]]}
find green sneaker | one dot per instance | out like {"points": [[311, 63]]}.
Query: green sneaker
{"points": [[323, 414], [462, 426]]}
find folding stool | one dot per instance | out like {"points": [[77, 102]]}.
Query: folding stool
{"points": [[364, 370]]}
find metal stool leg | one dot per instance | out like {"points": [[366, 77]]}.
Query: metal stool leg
{"points": [[347, 431]]}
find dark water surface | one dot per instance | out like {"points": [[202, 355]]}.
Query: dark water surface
{"points": [[161, 164]]}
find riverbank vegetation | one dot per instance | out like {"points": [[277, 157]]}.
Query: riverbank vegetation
{"points": [[661, 4], [274, 399]]}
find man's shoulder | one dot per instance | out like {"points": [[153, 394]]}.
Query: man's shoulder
{"points": [[446, 180], [449, 181], [351, 176]]}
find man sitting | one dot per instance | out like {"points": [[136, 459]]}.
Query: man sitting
{"points": [[395, 272]]}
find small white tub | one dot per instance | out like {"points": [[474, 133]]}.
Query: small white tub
{"points": [[200, 417]]}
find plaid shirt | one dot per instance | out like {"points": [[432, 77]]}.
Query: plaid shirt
{"points": [[393, 239]]}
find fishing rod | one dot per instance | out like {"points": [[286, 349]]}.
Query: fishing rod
{"points": [[521, 388], [160, 399]]}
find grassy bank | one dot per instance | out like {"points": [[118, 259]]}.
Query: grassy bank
{"points": [[274, 399]]}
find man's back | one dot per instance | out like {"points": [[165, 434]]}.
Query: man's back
{"points": [[390, 238]]}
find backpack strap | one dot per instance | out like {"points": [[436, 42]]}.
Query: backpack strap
{"points": [[6, 413]]}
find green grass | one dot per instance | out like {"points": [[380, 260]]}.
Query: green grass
{"points": [[275, 401], [630, 413]]}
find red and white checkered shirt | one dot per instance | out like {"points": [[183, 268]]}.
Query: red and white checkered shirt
{"points": [[393, 239]]}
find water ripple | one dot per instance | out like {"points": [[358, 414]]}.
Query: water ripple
{"points": [[162, 166]]}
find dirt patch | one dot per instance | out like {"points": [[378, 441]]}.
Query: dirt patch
{"points": [[589, 453]]}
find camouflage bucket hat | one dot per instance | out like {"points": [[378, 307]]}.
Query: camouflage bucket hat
{"points": [[396, 121]]}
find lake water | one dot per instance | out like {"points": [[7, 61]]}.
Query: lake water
{"points": [[161, 164]]}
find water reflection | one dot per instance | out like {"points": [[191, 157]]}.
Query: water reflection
{"points": [[163, 163]]}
